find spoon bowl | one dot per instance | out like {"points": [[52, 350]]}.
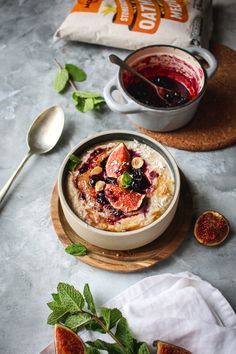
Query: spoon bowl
{"points": [[42, 136], [46, 130]]}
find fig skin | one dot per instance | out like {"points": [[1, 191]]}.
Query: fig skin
{"points": [[167, 348], [118, 161], [215, 232], [67, 341]]}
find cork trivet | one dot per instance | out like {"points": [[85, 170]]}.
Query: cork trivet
{"points": [[214, 125], [132, 260]]}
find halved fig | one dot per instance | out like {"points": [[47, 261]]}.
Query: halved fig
{"points": [[167, 348], [67, 342], [122, 199], [211, 228], [118, 161]]}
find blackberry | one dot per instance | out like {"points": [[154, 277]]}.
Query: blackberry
{"points": [[93, 180], [116, 212], [101, 198]]}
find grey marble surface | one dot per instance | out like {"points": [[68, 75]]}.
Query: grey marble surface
{"points": [[32, 260]]}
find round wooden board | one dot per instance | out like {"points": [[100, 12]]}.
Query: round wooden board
{"points": [[214, 125], [132, 260]]}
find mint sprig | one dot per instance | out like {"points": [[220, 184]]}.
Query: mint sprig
{"points": [[74, 161], [78, 311], [84, 101], [126, 180], [76, 249]]}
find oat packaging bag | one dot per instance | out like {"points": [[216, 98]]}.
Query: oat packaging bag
{"points": [[132, 24]]}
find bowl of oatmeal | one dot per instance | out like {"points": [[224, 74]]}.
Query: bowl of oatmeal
{"points": [[119, 190]]}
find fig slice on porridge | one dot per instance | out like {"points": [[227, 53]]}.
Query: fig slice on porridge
{"points": [[118, 161], [120, 186], [123, 199]]}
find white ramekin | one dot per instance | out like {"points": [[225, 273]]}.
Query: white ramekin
{"points": [[127, 239]]}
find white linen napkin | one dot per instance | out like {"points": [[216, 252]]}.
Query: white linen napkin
{"points": [[178, 308]]}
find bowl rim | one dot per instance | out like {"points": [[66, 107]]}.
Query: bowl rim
{"points": [[170, 161]]}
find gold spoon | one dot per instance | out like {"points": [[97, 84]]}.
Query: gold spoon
{"points": [[42, 136]]}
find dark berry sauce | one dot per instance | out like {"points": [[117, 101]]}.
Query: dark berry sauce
{"points": [[144, 93], [177, 81]]}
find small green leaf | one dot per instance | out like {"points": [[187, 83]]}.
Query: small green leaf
{"points": [[143, 349], [56, 315], [90, 350], [95, 327], [75, 321], [111, 348], [126, 180], [124, 335], [70, 298], [56, 298], [53, 305], [73, 162], [76, 249], [115, 316], [89, 299], [61, 80], [106, 314], [85, 94], [75, 72]]}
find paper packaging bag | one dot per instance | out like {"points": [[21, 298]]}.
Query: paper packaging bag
{"points": [[132, 24]]}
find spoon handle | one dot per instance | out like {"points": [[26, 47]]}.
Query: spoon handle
{"points": [[116, 60], [8, 184]]}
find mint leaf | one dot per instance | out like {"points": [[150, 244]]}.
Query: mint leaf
{"points": [[56, 315], [95, 327], [86, 101], [61, 80], [70, 298], [110, 316], [111, 348], [56, 298], [90, 350], [75, 72], [75, 321], [53, 305], [85, 94], [73, 162], [114, 317], [89, 299], [126, 180], [143, 349], [124, 335], [84, 104], [76, 249], [106, 314]]}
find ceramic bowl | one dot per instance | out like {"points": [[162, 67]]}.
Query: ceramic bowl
{"points": [[127, 239]]}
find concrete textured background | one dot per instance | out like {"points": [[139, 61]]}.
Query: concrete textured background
{"points": [[32, 260]]}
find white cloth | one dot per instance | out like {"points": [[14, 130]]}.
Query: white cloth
{"points": [[181, 309]]}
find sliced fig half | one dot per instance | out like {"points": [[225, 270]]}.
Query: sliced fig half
{"points": [[118, 161], [167, 348], [122, 199], [67, 342], [211, 228]]}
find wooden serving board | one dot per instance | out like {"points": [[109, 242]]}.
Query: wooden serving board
{"points": [[132, 260], [214, 125]]}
